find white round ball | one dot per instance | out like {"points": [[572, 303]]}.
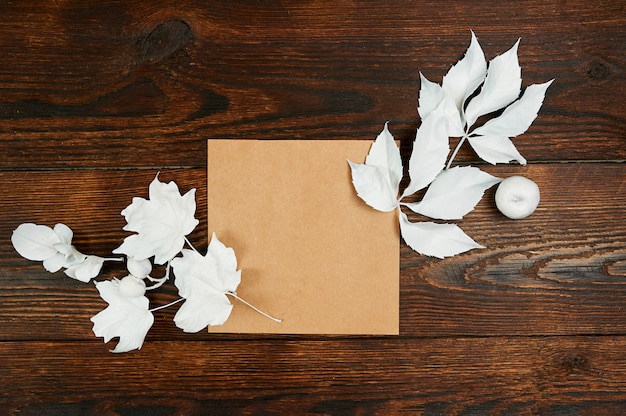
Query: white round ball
{"points": [[517, 197], [131, 287]]}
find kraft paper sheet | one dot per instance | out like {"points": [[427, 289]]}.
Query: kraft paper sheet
{"points": [[311, 252]]}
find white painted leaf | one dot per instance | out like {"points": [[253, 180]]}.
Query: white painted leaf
{"points": [[378, 179], [454, 193], [436, 240], [372, 187], [431, 98], [385, 155], [502, 86], [495, 149], [126, 317], [85, 270], [517, 117], [430, 150], [204, 281], [466, 75], [161, 223], [35, 242]]}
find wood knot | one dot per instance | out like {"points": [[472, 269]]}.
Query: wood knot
{"points": [[165, 40], [597, 70]]}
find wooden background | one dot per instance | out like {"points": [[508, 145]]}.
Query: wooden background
{"points": [[97, 96]]}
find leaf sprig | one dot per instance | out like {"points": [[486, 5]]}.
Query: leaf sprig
{"points": [[161, 225], [470, 90]]}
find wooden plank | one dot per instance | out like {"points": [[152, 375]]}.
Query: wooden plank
{"points": [[109, 84], [560, 271], [526, 376]]}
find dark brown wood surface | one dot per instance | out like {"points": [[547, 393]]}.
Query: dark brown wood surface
{"points": [[97, 96]]}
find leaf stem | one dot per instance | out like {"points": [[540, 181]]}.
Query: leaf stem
{"points": [[456, 150], [167, 305], [234, 295], [190, 245]]}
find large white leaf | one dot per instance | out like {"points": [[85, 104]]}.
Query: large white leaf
{"points": [[517, 117], [495, 149], [161, 223], [35, 242], [204, 282], [466, 75], [454, 193], [502, 86], [436, 240], [430, 150], [385, 155]]}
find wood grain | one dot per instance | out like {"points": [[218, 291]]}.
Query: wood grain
{"points": [[526, 376], [107, 84], [96, 97]]}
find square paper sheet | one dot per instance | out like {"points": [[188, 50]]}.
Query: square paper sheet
{"points": [[311, 252]]}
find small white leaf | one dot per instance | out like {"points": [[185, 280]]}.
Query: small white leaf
{"points": [[517, 117], [454, 193], [372, 187], [86, 269], [35, 242], [430, 150], [436, 240], [64, 232], [502, 86], [125, 317], [431, 98], [465, 76], [494, 149], [385, 155]]}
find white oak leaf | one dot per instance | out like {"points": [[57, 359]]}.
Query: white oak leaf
{"points": [[454, 193], [204, 282], [126, 317], [430, 150], [517, 117], [496, 149], [435, 240], [161, 223], [502, 86], [35, 242], [466, 75]]}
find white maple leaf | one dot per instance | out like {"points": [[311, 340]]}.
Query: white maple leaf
{"points": [[436, 240], [161, 223], [54, 247], [204, 282], [377, 181], [126, 317], [454, 193]]}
